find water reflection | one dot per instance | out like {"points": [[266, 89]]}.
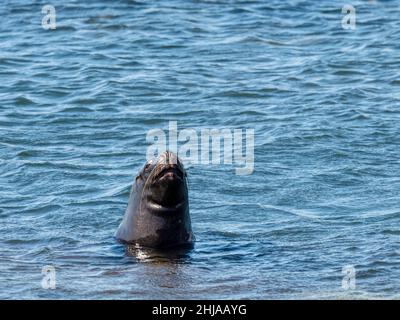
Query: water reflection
{"points": [[162, 268], [175, 255]]}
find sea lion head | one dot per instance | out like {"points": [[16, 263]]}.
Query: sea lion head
{"points": [[164, 184], [158, 210]]}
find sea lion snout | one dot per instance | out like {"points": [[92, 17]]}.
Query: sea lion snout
{"points": [[168, 168], [170, 173], [168, 157], [168, 187]]}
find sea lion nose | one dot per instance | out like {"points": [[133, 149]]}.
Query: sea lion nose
{"points": [[169, 158]]}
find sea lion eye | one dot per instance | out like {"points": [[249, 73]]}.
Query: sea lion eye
{"points": [[147, 166]]}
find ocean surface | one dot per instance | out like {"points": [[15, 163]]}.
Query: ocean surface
{"points": [[77, 102]]}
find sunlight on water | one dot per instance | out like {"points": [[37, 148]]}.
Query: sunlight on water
{"points": [[76, 105]]}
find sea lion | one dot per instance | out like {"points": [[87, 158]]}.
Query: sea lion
{"points": [[157, 215]]}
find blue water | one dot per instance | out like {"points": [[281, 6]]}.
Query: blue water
{"points": [[77, 102]]}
